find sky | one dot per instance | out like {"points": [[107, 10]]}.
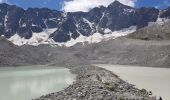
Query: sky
{"points": [[84, 5]]}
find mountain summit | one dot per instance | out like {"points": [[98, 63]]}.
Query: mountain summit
{"points": [[116, 4]]}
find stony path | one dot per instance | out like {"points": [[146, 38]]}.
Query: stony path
{"points": [[94, 83]]}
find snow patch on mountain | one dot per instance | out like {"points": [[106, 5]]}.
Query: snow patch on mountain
{"points": [[160, 21], [127, 11], [43, 38], [97, 37], [35, 40], [88, 22]]}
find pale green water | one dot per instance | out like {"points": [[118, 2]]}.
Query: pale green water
{"points": [[29, 83], [156, 80]]}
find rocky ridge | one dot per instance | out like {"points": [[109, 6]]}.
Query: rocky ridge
{"points": [[93, 83]]}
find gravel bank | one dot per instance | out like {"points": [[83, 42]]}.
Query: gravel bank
{"points": [[94, 83]]}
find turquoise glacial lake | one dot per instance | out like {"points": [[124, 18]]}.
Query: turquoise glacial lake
{"points": [[26, 83]]}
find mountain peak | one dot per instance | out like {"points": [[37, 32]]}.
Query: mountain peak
{"points": [[116, 1], [116, 4]]}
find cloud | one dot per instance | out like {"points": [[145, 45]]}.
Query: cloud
{"points": [[85, 5]]}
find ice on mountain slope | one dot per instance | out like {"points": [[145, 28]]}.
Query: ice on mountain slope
{"points": [[5, 21], [36, 39], [127, 11], [97, 37], [88, 22], [160, 21], [43, 38]]}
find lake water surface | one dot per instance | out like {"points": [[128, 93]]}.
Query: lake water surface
{"points": [[29, 83], [156, 80]]}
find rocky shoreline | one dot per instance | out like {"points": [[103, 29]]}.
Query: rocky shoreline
{"points": [[95, 83]]}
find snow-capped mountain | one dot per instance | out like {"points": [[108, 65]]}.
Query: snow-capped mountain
{"points": [[36, 26]]}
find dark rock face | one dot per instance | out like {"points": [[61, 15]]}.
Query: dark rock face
{"points": [[9, 19], [35, 20], [165, 13], [118, 16], [15, 20]]}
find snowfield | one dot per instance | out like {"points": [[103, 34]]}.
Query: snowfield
{"points": [[43, 37]]}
